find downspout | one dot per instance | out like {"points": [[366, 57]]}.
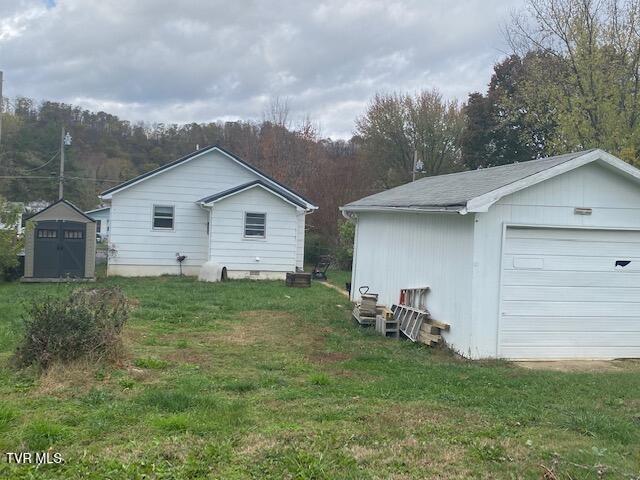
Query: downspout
{"points": [[209, 211], [353, 217]]}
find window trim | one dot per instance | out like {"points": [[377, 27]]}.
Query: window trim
{"points": [[244, 226], [173, 218]]}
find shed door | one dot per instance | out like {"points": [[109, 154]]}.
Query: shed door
{"points": [[59, 249], [570, 293]]}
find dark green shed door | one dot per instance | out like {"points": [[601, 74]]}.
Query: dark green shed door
{"points": [[59, 249]]}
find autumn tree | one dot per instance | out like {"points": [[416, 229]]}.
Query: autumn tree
{"points": [[397, 127], [595, 86], [516, 119]]}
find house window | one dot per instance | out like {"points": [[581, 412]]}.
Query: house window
{"points": [[255, 225], [162, 217], [98, 226]]}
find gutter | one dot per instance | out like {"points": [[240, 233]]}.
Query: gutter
{"points": [[460, 209]]}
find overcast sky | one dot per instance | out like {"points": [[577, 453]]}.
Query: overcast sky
{"points": [[203, 60]]}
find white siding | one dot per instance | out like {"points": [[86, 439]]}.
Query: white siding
{"points": [[615, 202], [143, 250], [300, 240], [404, 250], [277, 252], [103, 216]]}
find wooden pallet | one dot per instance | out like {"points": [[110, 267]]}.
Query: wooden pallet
{"points": [[368, 304], [431, 332], [364, 320], [410, 320], [298, 279]]}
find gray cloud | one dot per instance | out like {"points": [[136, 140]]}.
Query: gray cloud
{"points": [[167, 61]]}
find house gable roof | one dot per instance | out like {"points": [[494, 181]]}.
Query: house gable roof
{"points": [[107, 194], [283, 194], [477, 190]]}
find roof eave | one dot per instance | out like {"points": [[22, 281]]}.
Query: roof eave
{"points": [[108, 194], [412, 209], [483, 202], [211, 200]]}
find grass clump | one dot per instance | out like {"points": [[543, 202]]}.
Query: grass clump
{"points": [[151, 363], [240, 386], [319, 379], [88, 323], [40, 435]]}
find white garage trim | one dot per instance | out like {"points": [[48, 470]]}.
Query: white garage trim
{"points": [[610, 288]]}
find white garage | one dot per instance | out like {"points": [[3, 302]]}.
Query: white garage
{"points": [[538, 260]]}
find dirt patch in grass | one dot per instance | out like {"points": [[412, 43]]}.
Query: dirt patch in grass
{"points": [[582, 365], [259, 326], [255, 444], [275, 328]]}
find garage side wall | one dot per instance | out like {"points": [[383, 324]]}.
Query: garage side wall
{"points": [[615, 202], [405, 250]]}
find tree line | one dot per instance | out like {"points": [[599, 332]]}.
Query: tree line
{"points": [[571, 82]]}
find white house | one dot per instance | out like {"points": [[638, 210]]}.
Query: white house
{"points": [[102, 217], [536, 260], [209, 206]]}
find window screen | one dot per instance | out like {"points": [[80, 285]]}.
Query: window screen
{"points": [[162, 217], [255, 225]]}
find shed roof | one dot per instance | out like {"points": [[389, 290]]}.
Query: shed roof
{"points": [[64, 204], [476, 190]]}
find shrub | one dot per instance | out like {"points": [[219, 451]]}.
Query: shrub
{"points": [[86, 324], [10, 242], [314, 247], [344, 253]]}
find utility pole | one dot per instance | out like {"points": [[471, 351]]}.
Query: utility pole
{"points": [[65, 139], [61, 178], [415, 163]]}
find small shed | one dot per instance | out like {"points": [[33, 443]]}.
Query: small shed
{"points": [[60, 244], [538, 260]]}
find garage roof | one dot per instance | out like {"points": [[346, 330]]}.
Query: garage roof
{"points": [[477, 190]]}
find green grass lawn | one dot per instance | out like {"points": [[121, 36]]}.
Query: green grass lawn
{"points": [[256, 380]]}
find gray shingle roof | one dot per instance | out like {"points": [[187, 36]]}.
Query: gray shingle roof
{"points": [[454, 190]]}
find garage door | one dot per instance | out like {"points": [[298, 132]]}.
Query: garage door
{"points": [[570, 293]]}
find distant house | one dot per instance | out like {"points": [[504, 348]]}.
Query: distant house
{"points": [[101, 216], [211, 207], [534, 260]]}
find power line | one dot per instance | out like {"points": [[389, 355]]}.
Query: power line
{"points": [[55, 177], [27, 176], [44, 164], [95, 179]]}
